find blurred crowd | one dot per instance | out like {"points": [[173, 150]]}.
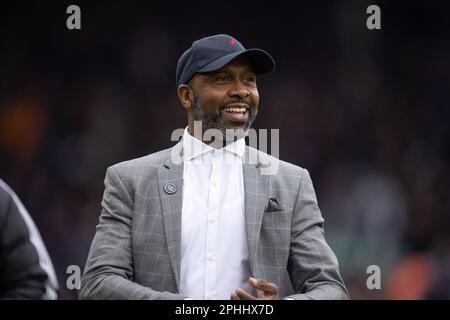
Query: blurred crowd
{"points": [[366, 112]]}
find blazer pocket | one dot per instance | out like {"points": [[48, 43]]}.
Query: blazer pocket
{"points": [[273, 206], [277, 219]]}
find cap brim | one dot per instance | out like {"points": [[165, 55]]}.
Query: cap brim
{"points": [[261, 61]]}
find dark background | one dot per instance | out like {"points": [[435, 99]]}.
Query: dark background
{"points": [[365, 111]]}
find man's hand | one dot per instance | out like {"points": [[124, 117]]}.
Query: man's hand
{"points": [[268, 291]]}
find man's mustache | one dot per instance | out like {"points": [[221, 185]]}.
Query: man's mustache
{"points": [[237, 103]]}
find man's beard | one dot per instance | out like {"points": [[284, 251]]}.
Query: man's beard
{"points": [[215, 121]]}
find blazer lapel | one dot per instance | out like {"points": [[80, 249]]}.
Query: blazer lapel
{"points": [[170, 183], [255, 189]]}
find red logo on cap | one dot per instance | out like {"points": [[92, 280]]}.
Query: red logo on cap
{"points": [[232, 42]]}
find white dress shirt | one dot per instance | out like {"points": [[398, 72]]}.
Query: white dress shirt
{"points": [[214, 250]]}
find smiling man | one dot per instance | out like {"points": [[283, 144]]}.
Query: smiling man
{"points": [[208, 98], [213, 226]]}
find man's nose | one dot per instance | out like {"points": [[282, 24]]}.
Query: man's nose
{"points": [[238, 89]]}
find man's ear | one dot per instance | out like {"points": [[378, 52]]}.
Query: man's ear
{"points": [[186, 96]]}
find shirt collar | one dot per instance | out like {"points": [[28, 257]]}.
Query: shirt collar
{"points": [[193, 147]]}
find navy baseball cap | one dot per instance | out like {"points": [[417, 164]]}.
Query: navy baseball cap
{"points": [[214, 52]]}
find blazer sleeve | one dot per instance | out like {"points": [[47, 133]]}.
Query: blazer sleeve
{"points": [[312, 265], [109, 268]]}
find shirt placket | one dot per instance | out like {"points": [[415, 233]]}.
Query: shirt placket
{"points": [[212, 226]]}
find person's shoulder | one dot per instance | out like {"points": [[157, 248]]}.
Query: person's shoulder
{"points": [[4, 190], [5, 198]]}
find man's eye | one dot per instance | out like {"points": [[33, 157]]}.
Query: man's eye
{"points": [[223, 78], [251, 79]]}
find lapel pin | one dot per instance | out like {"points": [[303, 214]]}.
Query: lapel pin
{"points": [[170, 188]]}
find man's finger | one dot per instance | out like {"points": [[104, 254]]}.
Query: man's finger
{"points": [[267, 287], [244, 295]]}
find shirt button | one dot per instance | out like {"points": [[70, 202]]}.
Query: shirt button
{"points": [[211, 258], [208, 297]]}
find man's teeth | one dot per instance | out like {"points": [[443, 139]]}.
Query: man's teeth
{"points": [[235, 109]]}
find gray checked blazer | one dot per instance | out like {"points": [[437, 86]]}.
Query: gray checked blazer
{"points": [[135, 253]]}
